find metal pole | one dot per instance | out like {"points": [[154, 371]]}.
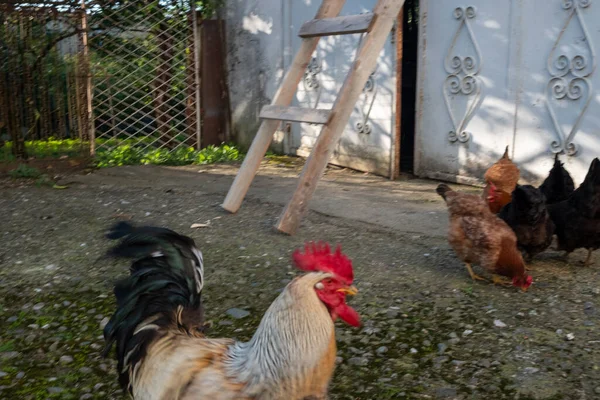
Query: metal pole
{"points": [[89, 114], [197, 48]]}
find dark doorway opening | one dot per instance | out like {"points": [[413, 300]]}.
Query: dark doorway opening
{"points": [[407, 45]]}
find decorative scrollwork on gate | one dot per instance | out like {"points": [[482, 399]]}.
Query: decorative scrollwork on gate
{"points": [[570, 73], [370, 93], [312, 82], [461, 78], [311, 75]]}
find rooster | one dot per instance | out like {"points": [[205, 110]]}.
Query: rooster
{"points": [[480, 237], [163, 353], [559, 185], [500, 181]]}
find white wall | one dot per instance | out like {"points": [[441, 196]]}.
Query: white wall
{"points": [[255, 45], [262, 40], [511, 41]]}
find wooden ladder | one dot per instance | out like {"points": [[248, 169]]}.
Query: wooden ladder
{"points": [[377, 26]]}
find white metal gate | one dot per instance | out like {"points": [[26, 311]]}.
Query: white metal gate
{"points": [[496, 73], [367, 140]]}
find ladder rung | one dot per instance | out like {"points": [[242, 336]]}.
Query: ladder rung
{"points": [[295, 114], [337, 26]]}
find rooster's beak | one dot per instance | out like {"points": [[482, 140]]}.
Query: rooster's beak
{"points": [[350, 291]]}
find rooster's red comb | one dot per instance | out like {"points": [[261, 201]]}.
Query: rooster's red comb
{"points": [[318, 257]]}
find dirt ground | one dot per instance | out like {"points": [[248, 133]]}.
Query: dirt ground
{"points": [[429, 332]]}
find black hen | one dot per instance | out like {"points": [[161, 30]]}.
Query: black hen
{"points": [[163, 290], [559, 185], [528, 217], [577, 219]]}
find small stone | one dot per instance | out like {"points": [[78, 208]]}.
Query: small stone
{"points": [[53, 347], [358, 361], [66, 303], [442, 347], [98, 386], [85, 370], [446, 393], [413, 351], [597, 390], [3, 374], [570, 337], [237, 313], [531, 370], [104, 322], [50, 267], [20, 375], [12, 319], [38, 306], [339, 360], [382, 350], [467, 332], [54, 390], [33, 326], [499, 324], [86, 396], [66, 360], [9, 355]]}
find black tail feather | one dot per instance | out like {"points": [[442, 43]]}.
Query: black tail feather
{"points": [[165, 284]]}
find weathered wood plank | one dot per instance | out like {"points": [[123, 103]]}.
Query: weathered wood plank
{"points": [[283, 97], [364, 64], [337, 26], [295, 114]]}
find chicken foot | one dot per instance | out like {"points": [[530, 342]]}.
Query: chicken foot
{"points": [[500, 280], [588, 260], [474, 276]]}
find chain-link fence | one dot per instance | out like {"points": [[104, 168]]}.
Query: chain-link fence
{"points": [[144, 67], [108, 72], [39, 74]]}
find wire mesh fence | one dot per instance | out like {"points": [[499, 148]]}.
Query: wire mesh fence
{"points": [[39, 90], [144, 67], [111, 73]]}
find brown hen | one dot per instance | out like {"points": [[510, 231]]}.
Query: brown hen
{"points": [[501, 180], [480, 237]]}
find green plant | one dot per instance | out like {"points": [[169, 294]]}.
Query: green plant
{"points": [[24, 171], [128, 154], [118, 152]]}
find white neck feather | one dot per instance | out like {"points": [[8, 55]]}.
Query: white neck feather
{"points": [[291, 339]]}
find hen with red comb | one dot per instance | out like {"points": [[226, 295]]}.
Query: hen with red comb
{"points": [[318, 257]]}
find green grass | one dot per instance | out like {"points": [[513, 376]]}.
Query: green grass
{"points": [[24, 171], [114, 152], [51, 148]]}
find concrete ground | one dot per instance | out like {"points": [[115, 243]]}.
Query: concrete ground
{"points": [[409, 205], [428, 331]]}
